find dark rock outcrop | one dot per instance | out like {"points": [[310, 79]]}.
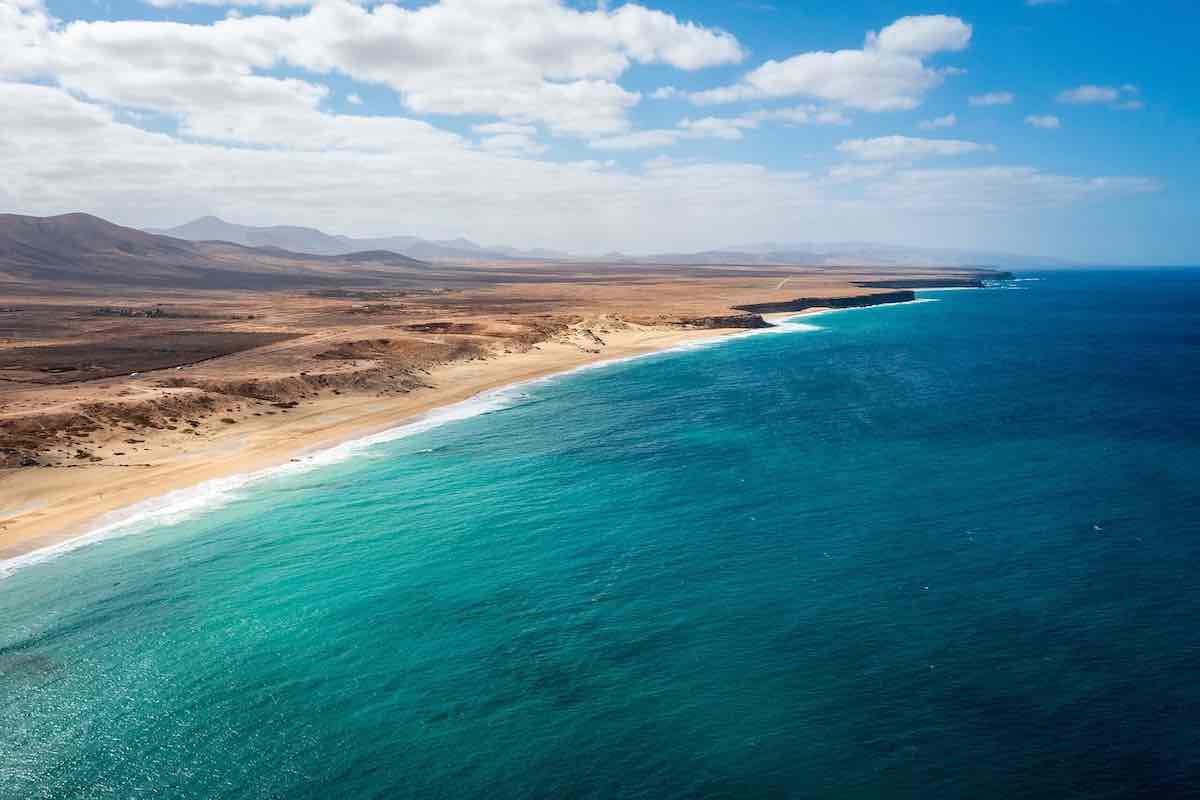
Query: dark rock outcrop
{"points": [[976, 281], [924, 283], [802, 303], [748, 321]]}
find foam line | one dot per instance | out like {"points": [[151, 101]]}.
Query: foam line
{"points": [[181, 504]]}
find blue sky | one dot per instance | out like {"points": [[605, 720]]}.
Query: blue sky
{"points": [[1064, 128]]}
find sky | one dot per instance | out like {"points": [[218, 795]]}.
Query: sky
{"points": [[1065, 128]]}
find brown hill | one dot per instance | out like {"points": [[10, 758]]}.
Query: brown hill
{"points": [[81, 249]]}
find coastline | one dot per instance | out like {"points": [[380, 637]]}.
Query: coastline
{"points": [[58, 510], [63, 510]]}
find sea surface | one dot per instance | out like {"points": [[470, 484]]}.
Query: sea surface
{"points": [[947, 549]]}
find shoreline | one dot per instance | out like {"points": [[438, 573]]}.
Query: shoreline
{"points": [[57, 517], [64, 511]]}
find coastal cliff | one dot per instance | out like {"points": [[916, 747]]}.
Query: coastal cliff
{"points": [[748, 321], [977, 282], [803, 303]]}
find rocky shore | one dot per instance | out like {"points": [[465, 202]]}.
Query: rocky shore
{"points": [[805, 303]]}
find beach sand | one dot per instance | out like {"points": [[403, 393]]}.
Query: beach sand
{"points": [[49, 506]]}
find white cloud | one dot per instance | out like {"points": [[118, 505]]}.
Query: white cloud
{"points": [[923, 35], [992, 99], [796, 115], [887, 74], [853, 173], [543, 60], [638, 140], [69, 154], [513, 144], [509, 138], [354, 99], [947, 121], [272, 4], [500, 128], [996, 189], [1047, 121], [1120, 97], [832, 117], [907, 148], [1089, 94], [59, 153], [728, 128], [665, 93], [717, 127], [531, 60], [231, 136]]}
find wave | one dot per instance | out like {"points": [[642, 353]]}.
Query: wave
{"points": [[176, 506], [953, 289], [880, 306], [786, 326], [181, 504]]}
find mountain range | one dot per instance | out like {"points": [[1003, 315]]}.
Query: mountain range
{"points": [[81, 249], [310, 240], [841, 254], [868, 254]]}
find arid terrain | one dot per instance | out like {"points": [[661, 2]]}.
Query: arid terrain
{"points": [[132, 364]]}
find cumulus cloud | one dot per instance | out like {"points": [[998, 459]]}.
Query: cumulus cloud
{"points": [[509, 138], [272, 4], [907, 148], [992, 99], [731, 127], [1046, 121], [496, 128], [922, 35], [513, 144], [728, 128], [996, 189], [1089, 94], [1120, 97], [70, 154], [888, 73], [60, 153], [544, 61], [638, 140], [150, 123], [947, 121]]}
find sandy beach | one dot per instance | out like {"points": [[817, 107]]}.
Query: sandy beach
{"points": [[111, 398], [47, 507]]}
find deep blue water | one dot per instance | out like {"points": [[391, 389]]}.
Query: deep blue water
{"points": [[947, 549]]}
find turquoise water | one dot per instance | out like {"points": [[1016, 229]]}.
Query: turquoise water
{"points": [[947, 549]]}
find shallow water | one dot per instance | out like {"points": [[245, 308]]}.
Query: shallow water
{"points": [[947, 547]]}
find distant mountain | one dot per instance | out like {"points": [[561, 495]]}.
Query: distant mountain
{"points": [[811, 254], [286, 237], [310, 240], [81, 249], [866, 254]]}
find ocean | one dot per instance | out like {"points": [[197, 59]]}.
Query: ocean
{"points": [[942, 549]]}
